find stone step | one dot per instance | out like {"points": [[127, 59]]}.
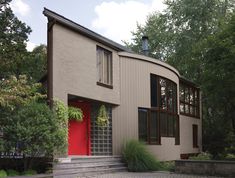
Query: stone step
{"points": [[86, 165], [75, 174]]}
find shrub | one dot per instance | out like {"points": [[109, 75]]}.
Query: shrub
{"points": [[3, 174], [230, 157], [35, 130], [29, 172], [12, 172], [202, 156], [168, 166], [138, 159]]}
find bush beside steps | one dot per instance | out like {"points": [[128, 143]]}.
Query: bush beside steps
{"points": [[138, 159]]}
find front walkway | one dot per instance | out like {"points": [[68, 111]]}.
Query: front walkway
{"points": [[149, 175]]}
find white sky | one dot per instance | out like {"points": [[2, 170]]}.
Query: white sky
{"points": [[114, 19]]}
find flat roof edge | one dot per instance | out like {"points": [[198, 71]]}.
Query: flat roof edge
{"points": [[85, 31]]}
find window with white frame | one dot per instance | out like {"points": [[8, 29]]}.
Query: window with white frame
{"points": [[104, 66]]}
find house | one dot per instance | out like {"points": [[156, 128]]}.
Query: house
{"points": [[146, 99]]}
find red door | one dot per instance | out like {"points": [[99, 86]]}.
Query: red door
{"points": [[79, 132]]}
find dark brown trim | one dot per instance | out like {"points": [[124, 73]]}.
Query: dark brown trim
{"points": [[50, 62], [104, 85]]}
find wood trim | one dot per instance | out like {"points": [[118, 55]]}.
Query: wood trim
{"points": [[50, 62], [104, 85]]}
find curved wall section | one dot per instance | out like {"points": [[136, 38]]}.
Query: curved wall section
{"points": [[135, 73]]}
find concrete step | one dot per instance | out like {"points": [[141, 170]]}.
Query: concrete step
{"points": [[75, 174], [86, 165], [95, 159]]}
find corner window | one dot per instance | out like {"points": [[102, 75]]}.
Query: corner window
{"points": [[161, 119], [189, 100], [104, 66]]}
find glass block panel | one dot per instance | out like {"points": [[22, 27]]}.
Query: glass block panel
{"points": [[101, 137]]}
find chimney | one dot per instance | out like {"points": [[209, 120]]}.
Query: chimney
{"points": [[145, 46]]}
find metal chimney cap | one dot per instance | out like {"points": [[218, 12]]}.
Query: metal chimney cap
{"points": [[145, 37]]}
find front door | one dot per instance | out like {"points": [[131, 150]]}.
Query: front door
{"points": [[79, 132]]}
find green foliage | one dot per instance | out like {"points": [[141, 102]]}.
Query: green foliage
{"points": [[138, 159], [3, 174], [168, 166], [12, 172], [13, 38], [35, 129], [219, 102], [14, 58], [102, 119], [61, 110], [75, 114], [35, 64], [230, 157], [29, 172], [15, 92], [201, 156]]}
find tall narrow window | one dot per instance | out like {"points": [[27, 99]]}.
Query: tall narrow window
{"points": [[143, 124], [154, 90], [104, 66], [195, 136]]}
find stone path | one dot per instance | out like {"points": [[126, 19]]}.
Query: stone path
{"points": [[149, 175]]}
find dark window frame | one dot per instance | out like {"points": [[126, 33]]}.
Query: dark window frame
{"points": [[195, 105], [170, 114], [167, 111], [101, 67]]}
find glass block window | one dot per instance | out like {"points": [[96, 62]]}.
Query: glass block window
{"points": [[101, 138]]}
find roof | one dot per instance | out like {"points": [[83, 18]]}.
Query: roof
{"points": [[85, 31]]}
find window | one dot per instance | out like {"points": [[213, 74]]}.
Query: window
{"points": [[195, 136], [104, 66], [143, 125], [162, 118], [189, 100], [164, 101], [148, 126]]}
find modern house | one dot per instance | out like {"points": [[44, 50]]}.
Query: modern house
{"points": [[145, 98]]}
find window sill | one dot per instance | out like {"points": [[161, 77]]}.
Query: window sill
{"points": [[104, 85], [190, 115]]}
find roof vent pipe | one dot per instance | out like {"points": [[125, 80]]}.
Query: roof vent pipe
{"points": [[145, 45]]}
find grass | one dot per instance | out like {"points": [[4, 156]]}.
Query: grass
{"points": [[138, 159]]}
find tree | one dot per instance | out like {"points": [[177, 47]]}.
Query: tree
{"points": [[27, 123], [176, 34], [218, 82], [35, 64], [13, 38]]}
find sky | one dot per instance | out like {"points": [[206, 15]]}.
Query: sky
{"points": [[114, 19]]}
